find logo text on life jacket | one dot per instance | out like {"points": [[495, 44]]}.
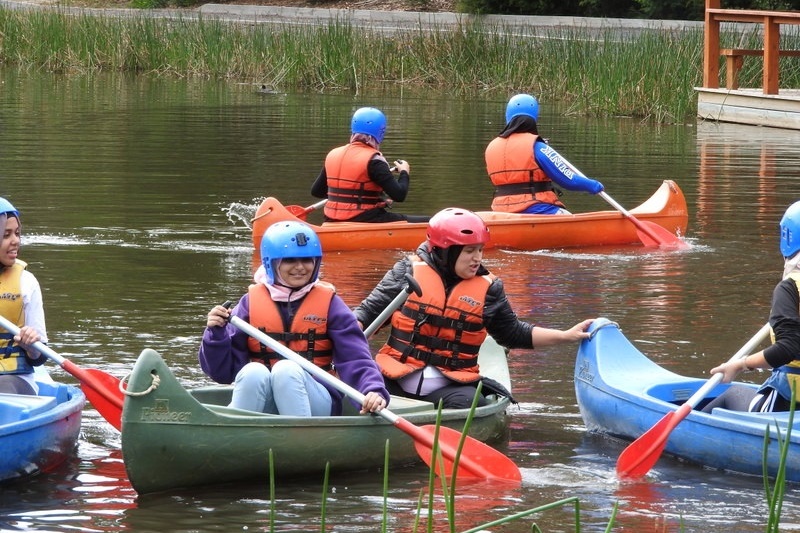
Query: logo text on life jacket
{"points": [[472, 302], [9, 296], [315, 319], [160, 412]]}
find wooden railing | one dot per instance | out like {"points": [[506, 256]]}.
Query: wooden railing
{"points": [[771, 20]]}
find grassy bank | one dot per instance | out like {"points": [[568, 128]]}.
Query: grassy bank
{"points": [[652, 78]]}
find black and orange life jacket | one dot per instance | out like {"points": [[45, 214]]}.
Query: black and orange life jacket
{"points": [[519, 182], [445, 331], [350, 191]]}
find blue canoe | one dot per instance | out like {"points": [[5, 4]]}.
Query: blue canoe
{"points": [[38, 433], [622, 393]]}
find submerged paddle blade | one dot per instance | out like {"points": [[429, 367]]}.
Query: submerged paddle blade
{"points": [[477, 460], [651, 234], [639, 457]]}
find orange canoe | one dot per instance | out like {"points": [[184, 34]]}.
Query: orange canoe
{"points": [[667, 208]]}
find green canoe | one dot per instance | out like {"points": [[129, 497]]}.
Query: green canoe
{"points": [[175, 438]]}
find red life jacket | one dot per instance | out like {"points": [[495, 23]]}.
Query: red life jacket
{"points": [[519, 182], [307, 334], [436, 329], [350, 191]]}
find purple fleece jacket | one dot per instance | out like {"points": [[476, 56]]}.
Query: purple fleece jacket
{"points": [[224, 351]]}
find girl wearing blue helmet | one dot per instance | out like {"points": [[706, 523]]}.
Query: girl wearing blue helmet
{"points": [[783, 356], [356, 178], [291, 304], [21, 303], [524, 169]]}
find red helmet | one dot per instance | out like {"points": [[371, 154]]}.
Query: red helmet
{"points": [[456, 226]]}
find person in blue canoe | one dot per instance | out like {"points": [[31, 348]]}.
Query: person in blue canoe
{"points": [[525, 170], [432, 350], [292, 305], [356, 178], [783, 356], [20, 303]]}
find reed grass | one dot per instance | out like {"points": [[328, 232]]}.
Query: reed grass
{"points": [[651, 78]]}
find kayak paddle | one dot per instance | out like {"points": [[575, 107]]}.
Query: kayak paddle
{"points": [[302, 212], [640, 456], [101, 389], [395, 304], [477, 460], [650, 233]]}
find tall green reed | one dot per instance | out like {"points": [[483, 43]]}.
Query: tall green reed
{"points": [[652, 78]]}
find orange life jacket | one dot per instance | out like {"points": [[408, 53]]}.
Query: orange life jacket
{"points": [[12, 356], [519, 182], [437, 329], [350, 191], [307, 334]]}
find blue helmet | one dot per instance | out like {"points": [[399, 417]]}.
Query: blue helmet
{"points": [[7, 209], [283, 240], [370, 121], [790, 231], [522, 104]]}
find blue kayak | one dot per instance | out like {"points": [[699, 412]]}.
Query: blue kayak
{"points": [[622, 393], [38, 433]]}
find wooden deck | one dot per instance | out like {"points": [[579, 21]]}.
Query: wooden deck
{"points": [[768, 105], [750, 106]]}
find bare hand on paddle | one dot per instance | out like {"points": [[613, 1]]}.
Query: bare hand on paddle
{"points": [[26, 338], [373, 403], [218, 316]]}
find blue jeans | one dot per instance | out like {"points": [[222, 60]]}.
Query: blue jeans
{"points": [[285, 390]]}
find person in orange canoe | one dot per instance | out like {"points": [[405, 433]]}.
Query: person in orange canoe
{"points": [[783, 356], [21, 303], [356, 177], [432, 350], [525, 170]]}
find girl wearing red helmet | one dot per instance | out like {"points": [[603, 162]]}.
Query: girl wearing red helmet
{"points": [[432, 350]]}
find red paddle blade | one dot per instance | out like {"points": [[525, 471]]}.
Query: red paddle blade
{"points": [[101, 389], [298, 211], [651, 234], [477, 460], [639, 457]]}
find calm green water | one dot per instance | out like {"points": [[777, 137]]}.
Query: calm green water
{"points": [[135, 195]]}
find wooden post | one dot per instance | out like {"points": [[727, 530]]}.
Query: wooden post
{"points": [[711, 47], [771, 51]]}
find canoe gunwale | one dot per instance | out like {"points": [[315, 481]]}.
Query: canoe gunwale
{"points": [[615, 398], [666, 207], [46, 435], [171, 430]]}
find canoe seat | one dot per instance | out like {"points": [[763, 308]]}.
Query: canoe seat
{"points": [[16, 407], [761, 419], [676, 393]]}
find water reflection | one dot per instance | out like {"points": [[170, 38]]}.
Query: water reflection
{"points": [[135, 195]]}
